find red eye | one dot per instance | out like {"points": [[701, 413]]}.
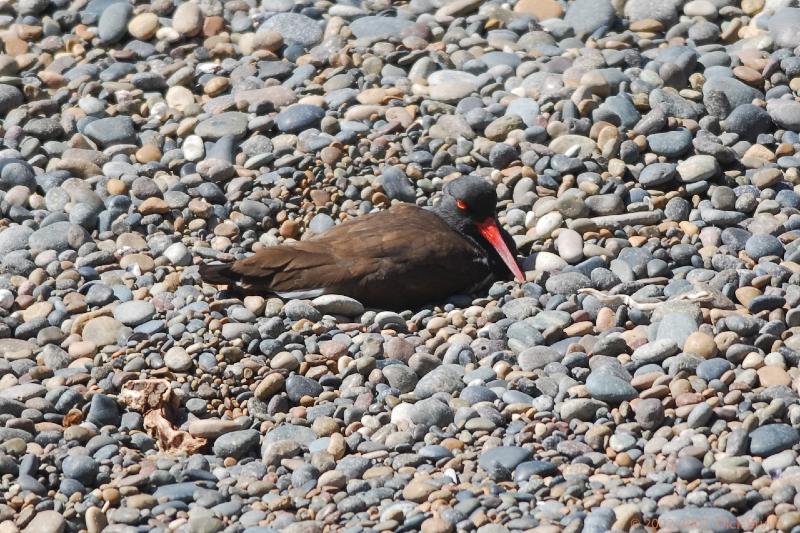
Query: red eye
{"points": [[461, 205]]}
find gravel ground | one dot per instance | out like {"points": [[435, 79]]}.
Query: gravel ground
{"points": [[646, 156]]}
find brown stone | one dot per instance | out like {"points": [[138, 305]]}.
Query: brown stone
{"points": [[37, 310], [153, 206], [325, 426], [213, 25], [766, 178], [541, 9], [271, 385], [435, 524], [647, 25], [289, 229], [757, 156], [115, 187], [606, 318], [143, 26], [752, 7], [746, 294], [701, 344], [688, 398], [216, 85], [15, 46], [148, 153], [748, 75], [267, 40], [773, 375], [418, 490]]}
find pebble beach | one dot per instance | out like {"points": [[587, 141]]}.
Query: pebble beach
{"points": [[644, 377]]}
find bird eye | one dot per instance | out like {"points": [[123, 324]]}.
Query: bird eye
{"points": [[461, 205]]}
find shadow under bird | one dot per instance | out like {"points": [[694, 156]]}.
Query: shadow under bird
{"points": [[402, 257]]}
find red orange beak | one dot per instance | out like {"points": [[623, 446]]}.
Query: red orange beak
{"points": [[491, 233]]}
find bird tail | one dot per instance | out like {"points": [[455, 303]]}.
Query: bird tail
{"points": [[219, 274]]}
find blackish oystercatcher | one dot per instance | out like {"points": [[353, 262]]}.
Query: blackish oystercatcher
{"points": [[402, 257]]}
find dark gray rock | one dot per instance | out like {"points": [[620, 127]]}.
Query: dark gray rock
{"points": [[112, 130], [236, 444], [299, 117], [396, 185], [501, 461]]}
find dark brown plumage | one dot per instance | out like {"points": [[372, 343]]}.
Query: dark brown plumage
{"points": [[402, 257]]}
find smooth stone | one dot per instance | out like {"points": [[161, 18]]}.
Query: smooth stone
{"points": [[236, 444], [46, 522], [699, 518], [187, 19], [397, 185], [294, 28], [763, 245], [569, 244], [298, 386], [218, 126], [587, 17], [444, 378], [112, 130], [113, 23], [676, 327], [537, 357], [501, 461], [134, 312], [299, 117], [609, 388], [431, 412], [670, 144], [334, 304], [697, 168], [656, 174], [772, 438], [378, 27]]}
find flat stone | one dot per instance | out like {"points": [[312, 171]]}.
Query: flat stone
{"points": [[608, 388], [113, 23], [586, 17], [697, 168], [444, 378], [134, 312], [112, 130], [229, 123], [294, 28], [378, 27], [299, 117], [334, 304], [236, 444], [46, 522], [431, 412], [501, 461], [699, 518], [574, 145], [772, 438]]}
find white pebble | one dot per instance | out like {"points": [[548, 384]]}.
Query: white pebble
{"points": [[6, 299], [548, 223], [193, 149]]}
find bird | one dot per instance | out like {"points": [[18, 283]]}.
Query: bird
{"points": [[400, 258]]}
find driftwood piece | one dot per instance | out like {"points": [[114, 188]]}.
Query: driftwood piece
{"points": [[154, 398], [624, 299]]}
